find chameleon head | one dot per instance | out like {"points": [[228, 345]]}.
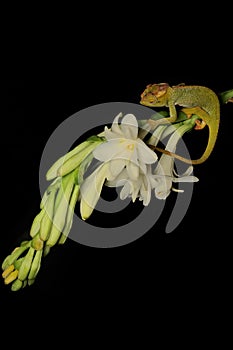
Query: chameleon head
{"points": [[155, 95]]}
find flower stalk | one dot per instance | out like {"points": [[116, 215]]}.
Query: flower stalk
{"points": [[126, 159]]}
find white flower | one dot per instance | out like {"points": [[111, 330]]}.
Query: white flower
{"points": [[165, 174], [125, 157], [91, 188], [163, 181], [124, 148], [140, 188]]}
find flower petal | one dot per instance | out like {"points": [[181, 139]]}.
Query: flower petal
{"points": [[108, 150], [187, 172], [90, 190], [133, 170], [163, 189], [185, 179], [142, 167], [146, 197], [116, 166], [118, 180], [126, 190], [133, 156], [145, 191], [145, 154], [115, 125], [135, 191], [129, 126], [111, 135]]}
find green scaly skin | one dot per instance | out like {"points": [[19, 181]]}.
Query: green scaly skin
{"points": [[198, 100]]}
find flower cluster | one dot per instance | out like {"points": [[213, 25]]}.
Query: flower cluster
{"points": [[124, 160], [126, 157], [127, 161]]}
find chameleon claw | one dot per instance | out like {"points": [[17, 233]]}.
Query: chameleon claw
{"points": [[200, 124]]}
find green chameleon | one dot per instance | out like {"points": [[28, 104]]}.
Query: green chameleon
{"points": [[198, 100]]}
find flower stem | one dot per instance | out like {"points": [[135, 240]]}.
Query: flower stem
{"points": [[226, 96]]}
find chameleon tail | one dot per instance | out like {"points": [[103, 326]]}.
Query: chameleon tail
{"points": [[213, 126]]}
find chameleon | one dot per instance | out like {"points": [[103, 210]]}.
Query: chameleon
{"points": [[198, 100]]}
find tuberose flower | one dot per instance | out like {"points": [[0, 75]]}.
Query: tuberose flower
{"points": [[165, 174], [124, 148], [124, 157], [140, 188], [91, 188]]}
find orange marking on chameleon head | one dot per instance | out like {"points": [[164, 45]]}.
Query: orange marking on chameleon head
{"points": [[158, 90], [153, 91]]}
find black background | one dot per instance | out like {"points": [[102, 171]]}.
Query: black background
{"points": [[31, 110], [186, 266]]}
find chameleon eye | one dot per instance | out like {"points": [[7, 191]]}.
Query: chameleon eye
{"points": [[151, 97]]}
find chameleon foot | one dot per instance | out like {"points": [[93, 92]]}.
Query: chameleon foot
{"points": [[200, 124]]}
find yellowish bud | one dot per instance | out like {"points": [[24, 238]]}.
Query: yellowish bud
{"points": [[13, 275]]}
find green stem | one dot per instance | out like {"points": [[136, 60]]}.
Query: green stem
{"points": [[226, 96]]}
